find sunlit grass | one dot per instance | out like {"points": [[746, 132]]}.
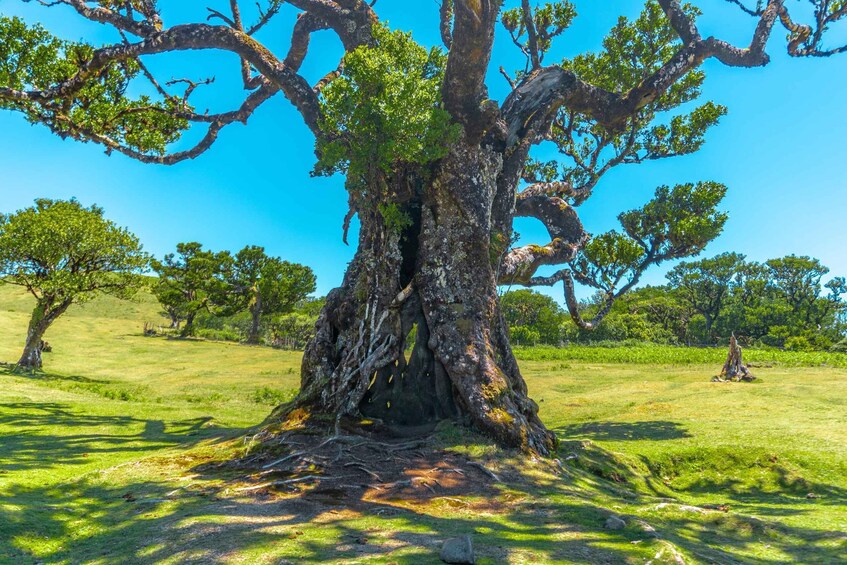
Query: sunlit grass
{"points": [[104, 458]]}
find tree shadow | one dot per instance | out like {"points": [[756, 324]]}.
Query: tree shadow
{"points": [[53, 378], [624, 431], [148, 522], [32, 446], [533, 512]]}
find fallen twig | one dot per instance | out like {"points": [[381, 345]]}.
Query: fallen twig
{"points": [[485, 470]]}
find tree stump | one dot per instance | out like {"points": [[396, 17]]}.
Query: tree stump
{"points": [[734, 369]]}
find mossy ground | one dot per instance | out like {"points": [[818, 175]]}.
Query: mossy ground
{"points": [[110, 456]]}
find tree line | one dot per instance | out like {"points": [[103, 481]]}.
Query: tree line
{"points": [[64, 253], [784, 302], [195, 282]]}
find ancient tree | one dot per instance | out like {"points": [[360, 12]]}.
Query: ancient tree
{"points": [[64, 253], [436, 170]]}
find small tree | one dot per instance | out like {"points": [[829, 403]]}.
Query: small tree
{"points": [[706, 284], [64, 253], [266, 286], [190, 282]]}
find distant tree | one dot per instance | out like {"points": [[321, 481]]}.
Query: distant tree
{"points": [[663, 310], [539, 315], [798, 279], [706, 284], [266, 286], [292, 331], [311, 306], [753, 305], [64, 253], [190, 281]]}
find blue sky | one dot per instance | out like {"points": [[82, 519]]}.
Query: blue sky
{"points": [[779, 150]]}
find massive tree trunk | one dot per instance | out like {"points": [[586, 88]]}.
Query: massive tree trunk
{"points": [[437, 276]]}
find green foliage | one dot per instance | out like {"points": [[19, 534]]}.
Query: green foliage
{"points": [[62, 251], [705, 285], [191, 281], [273, 397], [632, 51], [783, 305], [31, 59], [311, 306], [677, 222], [798, 343], [532, 317], [292, 331], [607, 258], [523, 335], [384, 110], [395, 219], [267, 284], [229, 298], [649, 314], [633, 353], [549, 21]]}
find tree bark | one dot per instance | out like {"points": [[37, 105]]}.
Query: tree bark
{"points": [[256, 318], [43, 315], [438, 276], [188, 328]]}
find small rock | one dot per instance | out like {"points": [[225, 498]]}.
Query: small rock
{"points": [[458, 551], [615, 523]]}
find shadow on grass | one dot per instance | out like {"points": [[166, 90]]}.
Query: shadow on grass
{"points": [[622, 431], [34, 446], [52, 378], [542, 518], [146, 522]]}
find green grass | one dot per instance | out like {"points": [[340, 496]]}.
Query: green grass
{"points": [[104, 458], [650, 354]]}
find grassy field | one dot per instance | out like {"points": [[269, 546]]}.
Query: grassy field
{"points": [[107, 458]]}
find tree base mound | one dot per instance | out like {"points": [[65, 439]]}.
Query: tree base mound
{"points": [[361, 463]]}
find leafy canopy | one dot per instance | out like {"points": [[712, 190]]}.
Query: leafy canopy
{"points": [[549, 21], [191, 280], [632, 51], [677, 222], [384, 109], [33, 59], [62, 251], [276, 285]]}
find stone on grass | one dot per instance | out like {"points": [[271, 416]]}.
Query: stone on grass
{"points": [[458, 551], [615, 523]]}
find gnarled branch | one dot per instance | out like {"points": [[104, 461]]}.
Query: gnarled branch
{"points": [[544, 202]]}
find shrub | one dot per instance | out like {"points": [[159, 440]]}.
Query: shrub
{"points": [[267, 395], [218, 335], [522, 335]]}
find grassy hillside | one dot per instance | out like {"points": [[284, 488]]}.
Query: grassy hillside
{"points": [[110, 457]]}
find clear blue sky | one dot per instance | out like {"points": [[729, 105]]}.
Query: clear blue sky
{"points": [[780, 150]]}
